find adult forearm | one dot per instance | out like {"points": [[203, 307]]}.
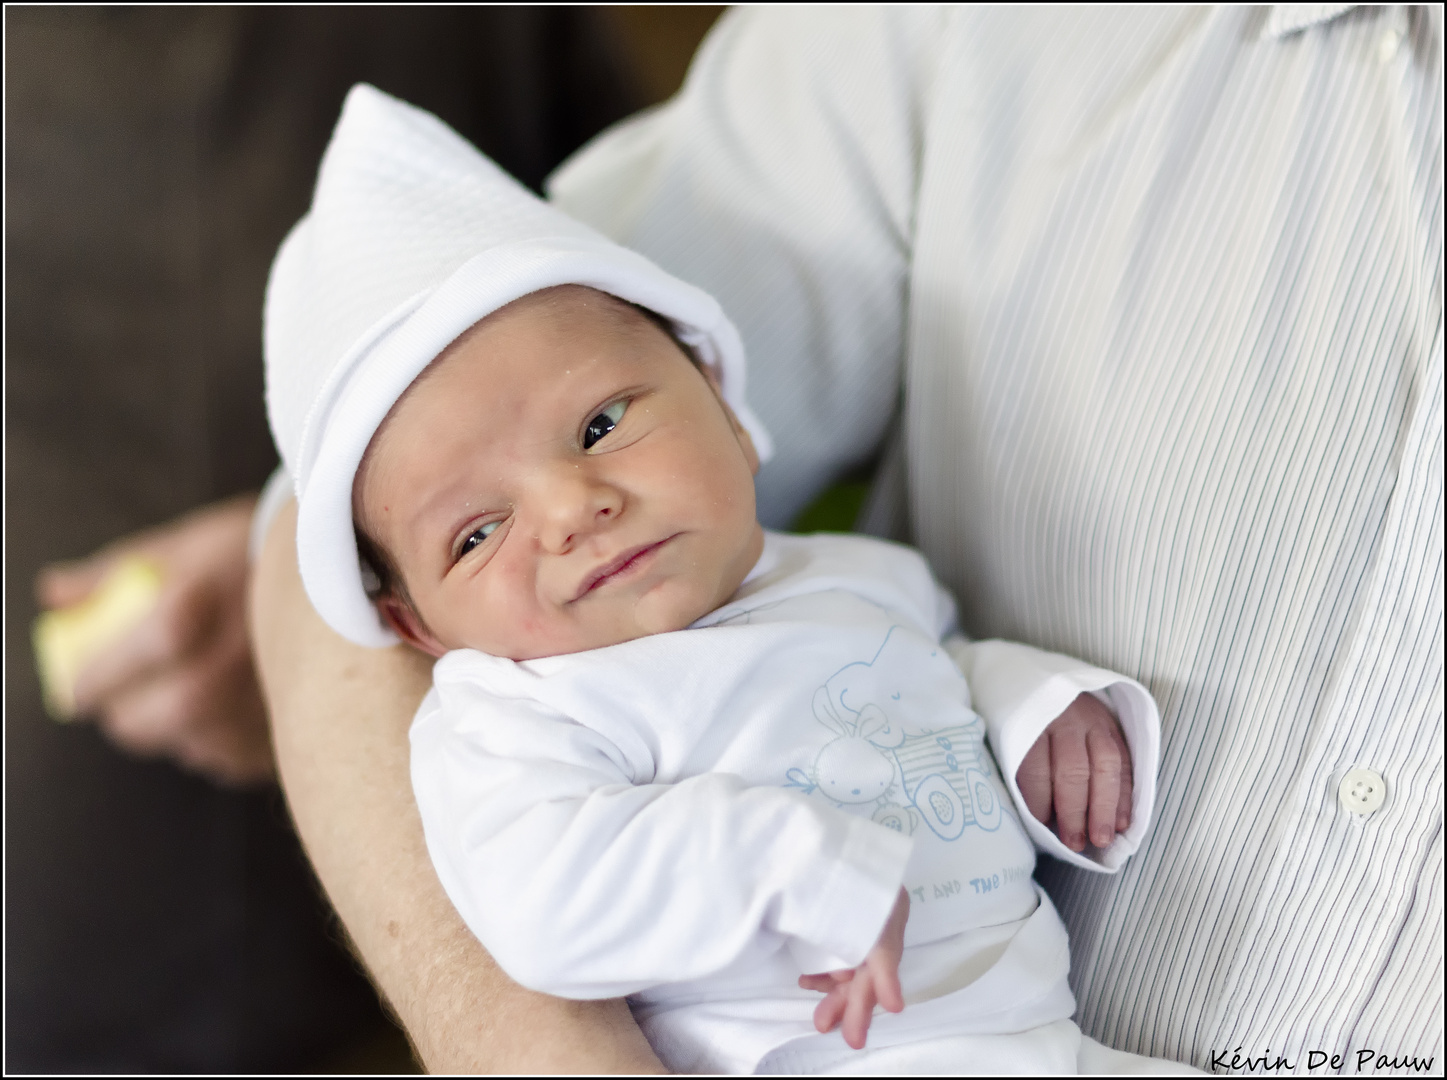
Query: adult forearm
{"points": [[339, 721]]}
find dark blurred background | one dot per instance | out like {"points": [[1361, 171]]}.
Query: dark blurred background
{"points": [[155, 157]]}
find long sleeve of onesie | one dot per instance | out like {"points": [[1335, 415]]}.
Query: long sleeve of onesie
{"points": [[585, 885], [1018, 690]]}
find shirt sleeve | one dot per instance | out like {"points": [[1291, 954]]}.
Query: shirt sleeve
{"points": [[782, 179], [1019, 690], [585, 885]]}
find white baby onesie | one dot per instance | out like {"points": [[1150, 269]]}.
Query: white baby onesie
{"points": [[696, 818]]}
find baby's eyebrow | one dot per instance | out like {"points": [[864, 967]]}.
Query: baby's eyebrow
{"points": [[438, 515]]}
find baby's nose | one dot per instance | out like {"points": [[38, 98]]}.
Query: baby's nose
{"points": [[576, 502]]}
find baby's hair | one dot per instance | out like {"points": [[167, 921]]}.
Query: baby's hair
{"points": [[381, 577], [668, 328]]}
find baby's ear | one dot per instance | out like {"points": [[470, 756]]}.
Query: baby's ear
{"points": [[408, 625]]}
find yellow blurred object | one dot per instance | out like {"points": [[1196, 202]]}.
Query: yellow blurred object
{"points": [[69, 638]]}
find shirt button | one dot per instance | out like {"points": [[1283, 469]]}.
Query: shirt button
{"points": [[1387, 46], [1362, 791]]}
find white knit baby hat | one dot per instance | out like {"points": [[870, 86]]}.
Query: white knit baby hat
{"points": [[412, 237]]}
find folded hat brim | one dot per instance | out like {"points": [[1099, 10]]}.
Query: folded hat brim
{"points": [[366, 383]]}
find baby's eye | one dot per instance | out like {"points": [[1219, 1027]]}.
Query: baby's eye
{"points": [[476, 537], [603, 423]]}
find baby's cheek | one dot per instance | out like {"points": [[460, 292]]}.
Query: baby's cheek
{"points": [[533, 627], [502, 621]]}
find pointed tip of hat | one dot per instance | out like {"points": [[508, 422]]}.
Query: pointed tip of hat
{"points": [[376, 130], [366, 105]]}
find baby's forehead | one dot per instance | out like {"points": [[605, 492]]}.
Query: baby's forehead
{"points": [[572, 309]]}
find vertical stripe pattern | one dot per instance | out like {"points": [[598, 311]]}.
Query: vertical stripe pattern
{"points": [[1204, 388]]}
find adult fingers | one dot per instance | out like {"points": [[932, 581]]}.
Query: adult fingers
{"points": [[157, 714], [215, 752], [1070, 775], [1033, 777], [1105, 774], [230, 742], [62, 584], [169, 634]]}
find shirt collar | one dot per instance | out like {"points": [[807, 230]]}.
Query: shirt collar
{"points": [[1285, 19]]}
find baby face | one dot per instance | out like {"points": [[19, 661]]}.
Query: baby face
{"points": [[562, 478]]}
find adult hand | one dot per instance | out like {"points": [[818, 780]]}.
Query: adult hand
{"points": [[180, 684], [851, 994], [1079, 770]]}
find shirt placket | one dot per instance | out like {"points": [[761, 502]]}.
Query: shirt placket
{"points": [[1364, 842]]}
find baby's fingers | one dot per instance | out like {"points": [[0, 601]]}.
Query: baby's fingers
{"points": [[887, 989], [1070, 770], [830, 1011], [859, 1011], [825, 981], [1106, 769], [1033, 777], [1127, 785]]}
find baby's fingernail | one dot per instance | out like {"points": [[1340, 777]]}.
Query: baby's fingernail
{"points": [[1103, 838]]}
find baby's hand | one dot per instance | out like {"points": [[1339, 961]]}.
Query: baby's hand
{"points": [[1081, 767], [852, 994]]}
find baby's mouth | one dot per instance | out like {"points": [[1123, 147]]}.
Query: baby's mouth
{"points": [[628, 562]]}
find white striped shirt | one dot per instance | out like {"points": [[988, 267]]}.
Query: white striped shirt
{"points": [[1164, 292]]}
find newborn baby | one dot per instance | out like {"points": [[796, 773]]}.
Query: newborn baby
{"points": [[668, 754]]}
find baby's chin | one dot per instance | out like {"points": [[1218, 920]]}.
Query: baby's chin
{"points": [[586, 639]]}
